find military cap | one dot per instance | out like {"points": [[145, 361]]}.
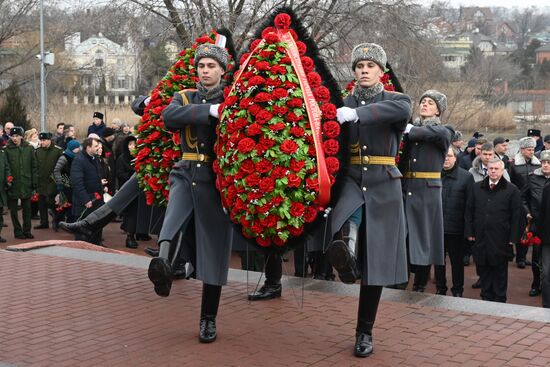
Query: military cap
{"points": [[17, 130], [545, 155], [44, 135], [439, 98], [533, 132], [527, 142], [369, 52], [500, 140], [217, 53], [99, 115]]}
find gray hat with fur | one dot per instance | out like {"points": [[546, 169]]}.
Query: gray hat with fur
{"points": [[439, 98], [214, 52], [368, 51], [545, 155], [527, 142]]}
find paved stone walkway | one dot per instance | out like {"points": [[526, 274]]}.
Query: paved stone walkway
{"points": [[59, 311]]}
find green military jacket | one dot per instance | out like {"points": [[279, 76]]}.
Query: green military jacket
{"points": [[5, 183], [46, 159], [22, 163]]}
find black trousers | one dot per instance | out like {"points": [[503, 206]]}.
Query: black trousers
{"points": [[521, 252], [210, 300], [421, 275], [454, 246], [273, 268], [545, 274], [369, 298], [494, 281], [45, 202], [536, 266]]}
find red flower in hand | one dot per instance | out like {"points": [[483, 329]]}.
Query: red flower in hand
{"points": [[10, 179], [97, 195]]}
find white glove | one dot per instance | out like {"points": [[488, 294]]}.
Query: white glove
{"points": [[408, 128], [214, 110], [346, 114], [146, 101]]}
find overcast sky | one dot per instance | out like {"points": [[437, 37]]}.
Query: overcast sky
{"points": [[506, 3]]}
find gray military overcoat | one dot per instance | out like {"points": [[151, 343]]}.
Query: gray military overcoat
{"points": [[426, 148], [375, 188], [194, 202]]}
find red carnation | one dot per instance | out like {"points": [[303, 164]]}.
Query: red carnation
{"points": [[282, 21], [312, 184], [245, 102], [285, 60], [314, 79], [97, 196], [266, 54], [279, 172], [293, 180], [267, 184], [254, 109], [267, 31], [255, 195], [279, 111], [266, 142], [240, 204], [271, 38], [269, 222], [252, 180], [289, 147], [308, 64], [301, 48], [328, 111], [240, 123], [255, 80], [254, 130], [243, 58], [247, 166], [263, 116], [246, 145], [292, 117], [264, 166], [277, 127], [330, 146], [295, 103], [385, 78], [297, 209], [273, 82], [280, 93], [10, 179], [278, 69], [293, 34], [263, 97], [231, 100], [264, 242], [333, 165], [311, 151], [262, 65], [297, 131], [322, 94], [296, 166], [254, 44], [295, 231], [310, 214], [331, 129]]}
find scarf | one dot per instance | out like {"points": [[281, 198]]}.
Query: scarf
{"points": [[210, 94], [419, 121], [364, 94]]}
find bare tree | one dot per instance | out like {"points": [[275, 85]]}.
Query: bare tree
{"points": [[527, 22]]}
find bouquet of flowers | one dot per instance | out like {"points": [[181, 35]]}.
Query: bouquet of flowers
{"points": [[158, 149], [529, 238], [277, 139]]}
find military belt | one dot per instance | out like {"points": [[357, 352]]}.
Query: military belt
{"points": [[195, 157], [432, 175], [373, 159]]}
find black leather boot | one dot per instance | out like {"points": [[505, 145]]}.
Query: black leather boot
{"points": [[209, 309], [369, 299], [131, 241], [98, 219], [342, 253], [160, 271], [268, 291]]}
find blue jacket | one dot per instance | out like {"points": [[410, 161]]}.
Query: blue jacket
{"points": [[93, 129], [85, 181]]}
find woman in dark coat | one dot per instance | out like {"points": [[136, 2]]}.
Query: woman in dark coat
{"points": [[124, 171], [368, 221], [61, 174]]}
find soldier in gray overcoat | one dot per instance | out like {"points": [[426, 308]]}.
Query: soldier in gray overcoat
{"points": [[194, 206], [426, 144], [367, 222]]}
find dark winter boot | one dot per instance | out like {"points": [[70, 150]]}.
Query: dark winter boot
{"points": [[369, 299], [342, 253], [209, 310], [131, 241], [160, 271], [98, 219]]}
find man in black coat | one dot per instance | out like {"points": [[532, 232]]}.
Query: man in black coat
{"points": [[501, 147], [532, 198], [87, 186], [457, 185], [544, 220], [493, 221]]}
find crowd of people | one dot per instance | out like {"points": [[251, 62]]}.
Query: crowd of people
{"points": [[53, 177], [389, 219]]}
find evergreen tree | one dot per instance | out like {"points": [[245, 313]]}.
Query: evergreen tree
{"points": [[13, 108]]}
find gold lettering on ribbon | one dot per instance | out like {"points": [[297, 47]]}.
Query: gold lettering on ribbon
{"points": [[314, 115]]}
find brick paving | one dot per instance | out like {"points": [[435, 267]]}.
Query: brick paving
{"points": [[65, 312]]}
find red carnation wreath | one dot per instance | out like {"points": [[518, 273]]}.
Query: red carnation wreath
{"points": [[270, 152], [158, 149]]}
